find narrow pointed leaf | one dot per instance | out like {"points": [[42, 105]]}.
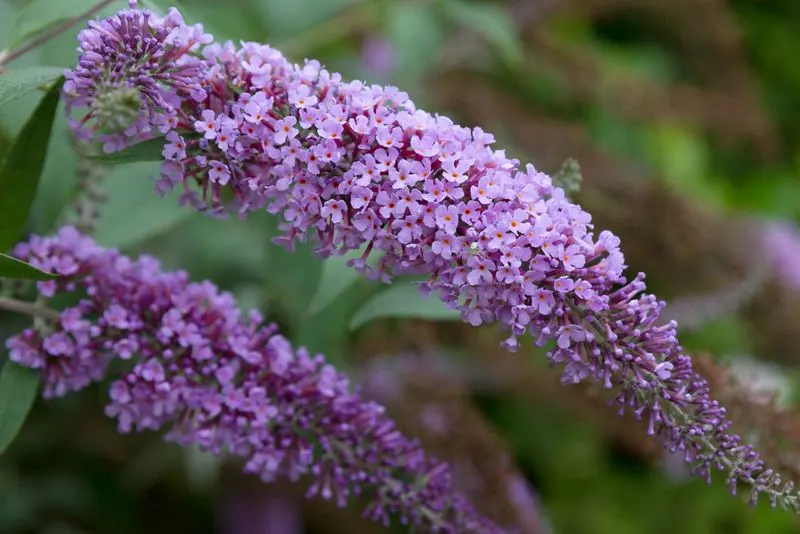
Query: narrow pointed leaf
{"points": [[17, 82], [18, 386], [38, 16], [415, 35], [145, 151], [490, 21], [402, 299], [20, 173], [336, 278], [134, 212], [13, 268]]}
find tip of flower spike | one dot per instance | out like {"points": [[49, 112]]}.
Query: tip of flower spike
{"points": [[117, 109], [133, 3], [569, 177]]}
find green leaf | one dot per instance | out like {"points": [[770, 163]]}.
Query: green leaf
{"points": [[415, 35], [202, 468], [291, 277], [335, 279], [683, 159], [134, 212], [145, 151], [19, 176], [13, 268], [38, 16], [18, 82], [491, 22], [290, 280], [158, 7], [18, 387], [294, 19], [402, 299]]}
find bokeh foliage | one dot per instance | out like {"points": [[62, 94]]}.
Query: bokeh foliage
{"points": [[702, 96]]}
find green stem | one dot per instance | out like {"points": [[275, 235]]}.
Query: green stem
{"points": [[8, 57], [28, 308]]}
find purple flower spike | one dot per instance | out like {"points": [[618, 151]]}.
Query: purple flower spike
{"points": [[351, 165], [133, 67], [211, 378]]}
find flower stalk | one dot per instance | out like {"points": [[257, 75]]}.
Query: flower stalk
{"points": [[7, 57], [28, 308]]}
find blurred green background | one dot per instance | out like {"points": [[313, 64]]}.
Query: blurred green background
{"points": [[698, 99]]}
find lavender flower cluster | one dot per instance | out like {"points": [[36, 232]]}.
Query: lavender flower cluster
{"points": [[225, 383], [355, 165]]}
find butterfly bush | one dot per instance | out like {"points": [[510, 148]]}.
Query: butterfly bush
{"points": [[208, 376], [358, 166]]}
